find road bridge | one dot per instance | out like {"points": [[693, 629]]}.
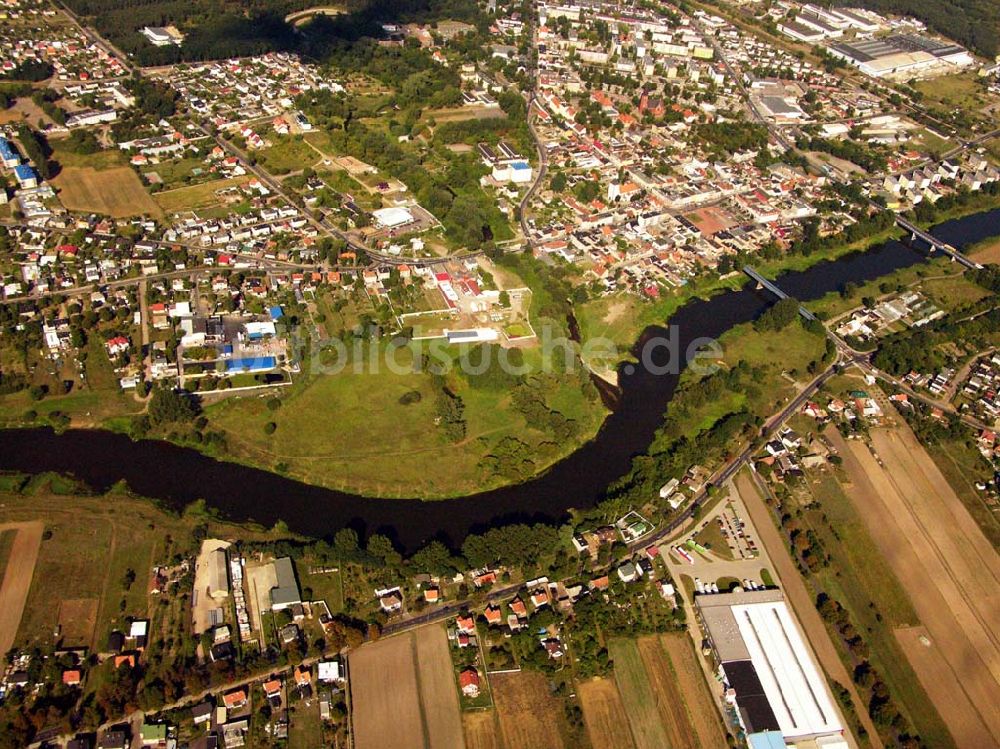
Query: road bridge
{"points": [[935, 244], [770, 286]]}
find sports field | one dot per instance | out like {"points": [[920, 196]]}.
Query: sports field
{"points": [[530, 717], [116, 192], [404, 693], [947, 566]]}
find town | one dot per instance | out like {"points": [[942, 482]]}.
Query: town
{"points": [[321, 254]]}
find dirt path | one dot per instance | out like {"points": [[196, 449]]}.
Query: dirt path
{"points": [[801, 599], [946, 566], [17, 578]]}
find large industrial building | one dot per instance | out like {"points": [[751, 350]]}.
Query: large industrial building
{"points": [[768, 672], [902, 56]]}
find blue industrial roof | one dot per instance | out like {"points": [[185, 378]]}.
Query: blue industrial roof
{"points": [[24, 171], [766, 740]]}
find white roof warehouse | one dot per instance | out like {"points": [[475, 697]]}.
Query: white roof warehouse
{"points": [[775, 682]]}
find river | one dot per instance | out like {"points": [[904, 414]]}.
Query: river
{"points": [[177, 476]]}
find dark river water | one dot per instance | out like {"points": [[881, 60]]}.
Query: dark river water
{"points": [[177, 476]]}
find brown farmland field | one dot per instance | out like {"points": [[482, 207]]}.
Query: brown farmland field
{"points": [[481, 730], [404, 693], [530, 718], [438, 690], [945, 564], [942, 687], [702, 711], [604, 714], [116, 192], [17, 574]]}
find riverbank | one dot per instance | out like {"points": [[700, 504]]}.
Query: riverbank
{"points": [[179, 476]]}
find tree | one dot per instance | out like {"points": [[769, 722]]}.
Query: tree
{"points": [[779, 316], [169, 406]]}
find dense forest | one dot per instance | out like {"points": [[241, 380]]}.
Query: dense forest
{"points": [[974, 23], [219, 29]]}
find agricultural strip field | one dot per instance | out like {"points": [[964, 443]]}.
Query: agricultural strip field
{"points": [[404, 693], [17, 574], [947, 566], [638, 697], [690, 680], [530, 718], [481, 730], [116, 192], [604, 714]]}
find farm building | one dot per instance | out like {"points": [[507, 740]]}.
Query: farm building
{"points": [[286, 593], [767, 670], [218, 576]]}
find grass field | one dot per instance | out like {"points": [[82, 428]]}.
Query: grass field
{"points": [[638, 696], [305, 728], [325, 586], [115, 192], [404, 693], [287, 155], [6, 543], [350, 431], [196, 196], [962, 466], [604, 714], [530, 717], [962, 91], [949, 293]]}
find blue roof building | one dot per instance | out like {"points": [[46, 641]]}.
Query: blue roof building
{"points": [[8, 153], [276, 313], [766, 740], [26, 175]]}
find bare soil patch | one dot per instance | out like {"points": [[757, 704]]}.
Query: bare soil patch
{"points": [[77, 619], [987, 252], [604, 714], [711, 220], [17, 578], [481, 730], [530, 718]]}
